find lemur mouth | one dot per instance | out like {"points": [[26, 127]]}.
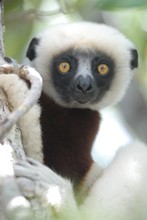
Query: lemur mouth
{"points": [[82, 101]]}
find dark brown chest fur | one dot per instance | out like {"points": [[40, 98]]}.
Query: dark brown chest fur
{"points": [[68, 136]]}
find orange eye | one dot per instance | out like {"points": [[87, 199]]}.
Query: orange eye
{"points": [[103, 69], [64, 67]]}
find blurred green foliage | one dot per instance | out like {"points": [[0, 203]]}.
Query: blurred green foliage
{"points": [[117, 4], [114, 4], [18, 26]]}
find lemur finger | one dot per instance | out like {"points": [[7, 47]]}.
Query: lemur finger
{"points": [[42, 169], [33, 162], [21, 171], [23, 163], [26, 187]]}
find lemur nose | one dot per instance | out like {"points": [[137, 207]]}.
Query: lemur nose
{"points": [[84, 85]]}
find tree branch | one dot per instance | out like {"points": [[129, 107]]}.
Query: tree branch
{"points": [[12, 204], [26, 73], [1, 29]]}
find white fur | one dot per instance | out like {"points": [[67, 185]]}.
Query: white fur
{"points": [[117, 193], [16, 90], [86, 35], [121, 193]]}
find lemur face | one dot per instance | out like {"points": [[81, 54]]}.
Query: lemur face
{"points": [[81, 77], [83, 65]]}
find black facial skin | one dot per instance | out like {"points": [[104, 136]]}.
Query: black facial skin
{"points": [[81, 89]]}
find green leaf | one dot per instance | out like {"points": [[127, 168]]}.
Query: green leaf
{"points": [[116, 4]]}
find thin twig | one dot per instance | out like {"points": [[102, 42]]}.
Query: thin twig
{"points": [[1, 29], [33, 95]]}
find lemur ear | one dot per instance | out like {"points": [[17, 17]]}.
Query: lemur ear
{"points": [[134, 60], [31, 52]]}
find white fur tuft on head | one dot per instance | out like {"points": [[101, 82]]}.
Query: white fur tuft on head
{"points": [[85, 36]]}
